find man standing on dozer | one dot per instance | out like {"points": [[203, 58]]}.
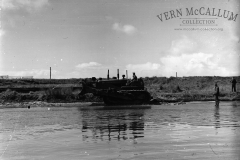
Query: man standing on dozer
{"points": [[134, 77], [133, 81]]}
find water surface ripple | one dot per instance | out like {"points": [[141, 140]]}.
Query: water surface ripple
{"points": [[189, 131]]}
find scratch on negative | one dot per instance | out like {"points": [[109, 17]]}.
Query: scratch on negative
{"points": [[9, 139], [7, 146], [212, 150]]}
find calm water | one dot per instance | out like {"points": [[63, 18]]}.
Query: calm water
{"points": [[190, 131]]}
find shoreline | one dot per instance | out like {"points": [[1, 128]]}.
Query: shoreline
{"points": [[58, 92], [89, 104], [41, 104]]}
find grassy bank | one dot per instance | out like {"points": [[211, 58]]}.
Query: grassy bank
{"points": [[191, 88], [161, 88]]}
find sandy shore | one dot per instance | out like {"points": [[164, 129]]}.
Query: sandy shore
{"points": [[80, 104], [165, 99], [42, 104]]}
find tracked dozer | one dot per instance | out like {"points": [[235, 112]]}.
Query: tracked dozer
{"points": [[117, 91]]}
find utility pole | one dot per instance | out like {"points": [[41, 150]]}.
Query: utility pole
{"points": [[50, 73], [117, 73]]}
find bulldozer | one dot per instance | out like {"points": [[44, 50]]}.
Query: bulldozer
{"points": [[117, 91]]}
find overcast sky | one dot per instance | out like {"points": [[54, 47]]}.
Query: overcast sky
{"points": [[85, 38]]}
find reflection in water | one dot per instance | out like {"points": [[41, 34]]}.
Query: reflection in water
{"points": [[217, 103], [235, 112], [189, 131], [235, 104], [230, 118], [227, 115], [217, 117], [112, 124]]}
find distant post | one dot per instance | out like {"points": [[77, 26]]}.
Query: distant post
{"points": [[108, 74], [117, 73], [126, 74], [50, 73], [176, 74]]}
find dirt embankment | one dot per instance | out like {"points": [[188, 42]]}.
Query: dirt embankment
{"points": [[162, 89], [191, 88]]}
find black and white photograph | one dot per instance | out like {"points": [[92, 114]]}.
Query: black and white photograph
{"points": [[119, 79]]}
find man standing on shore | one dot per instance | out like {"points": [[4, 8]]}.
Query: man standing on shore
{"points": [[234, 82], [216, 94]]}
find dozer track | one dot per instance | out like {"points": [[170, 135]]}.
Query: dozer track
{"points": [[127, 97]]}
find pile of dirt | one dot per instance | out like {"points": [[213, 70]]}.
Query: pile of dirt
{"points": [[13, 96], [57, 95]]}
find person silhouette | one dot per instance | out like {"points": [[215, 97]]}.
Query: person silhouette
{"points": [[234, 82], [134, 77], [216, 94]]}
